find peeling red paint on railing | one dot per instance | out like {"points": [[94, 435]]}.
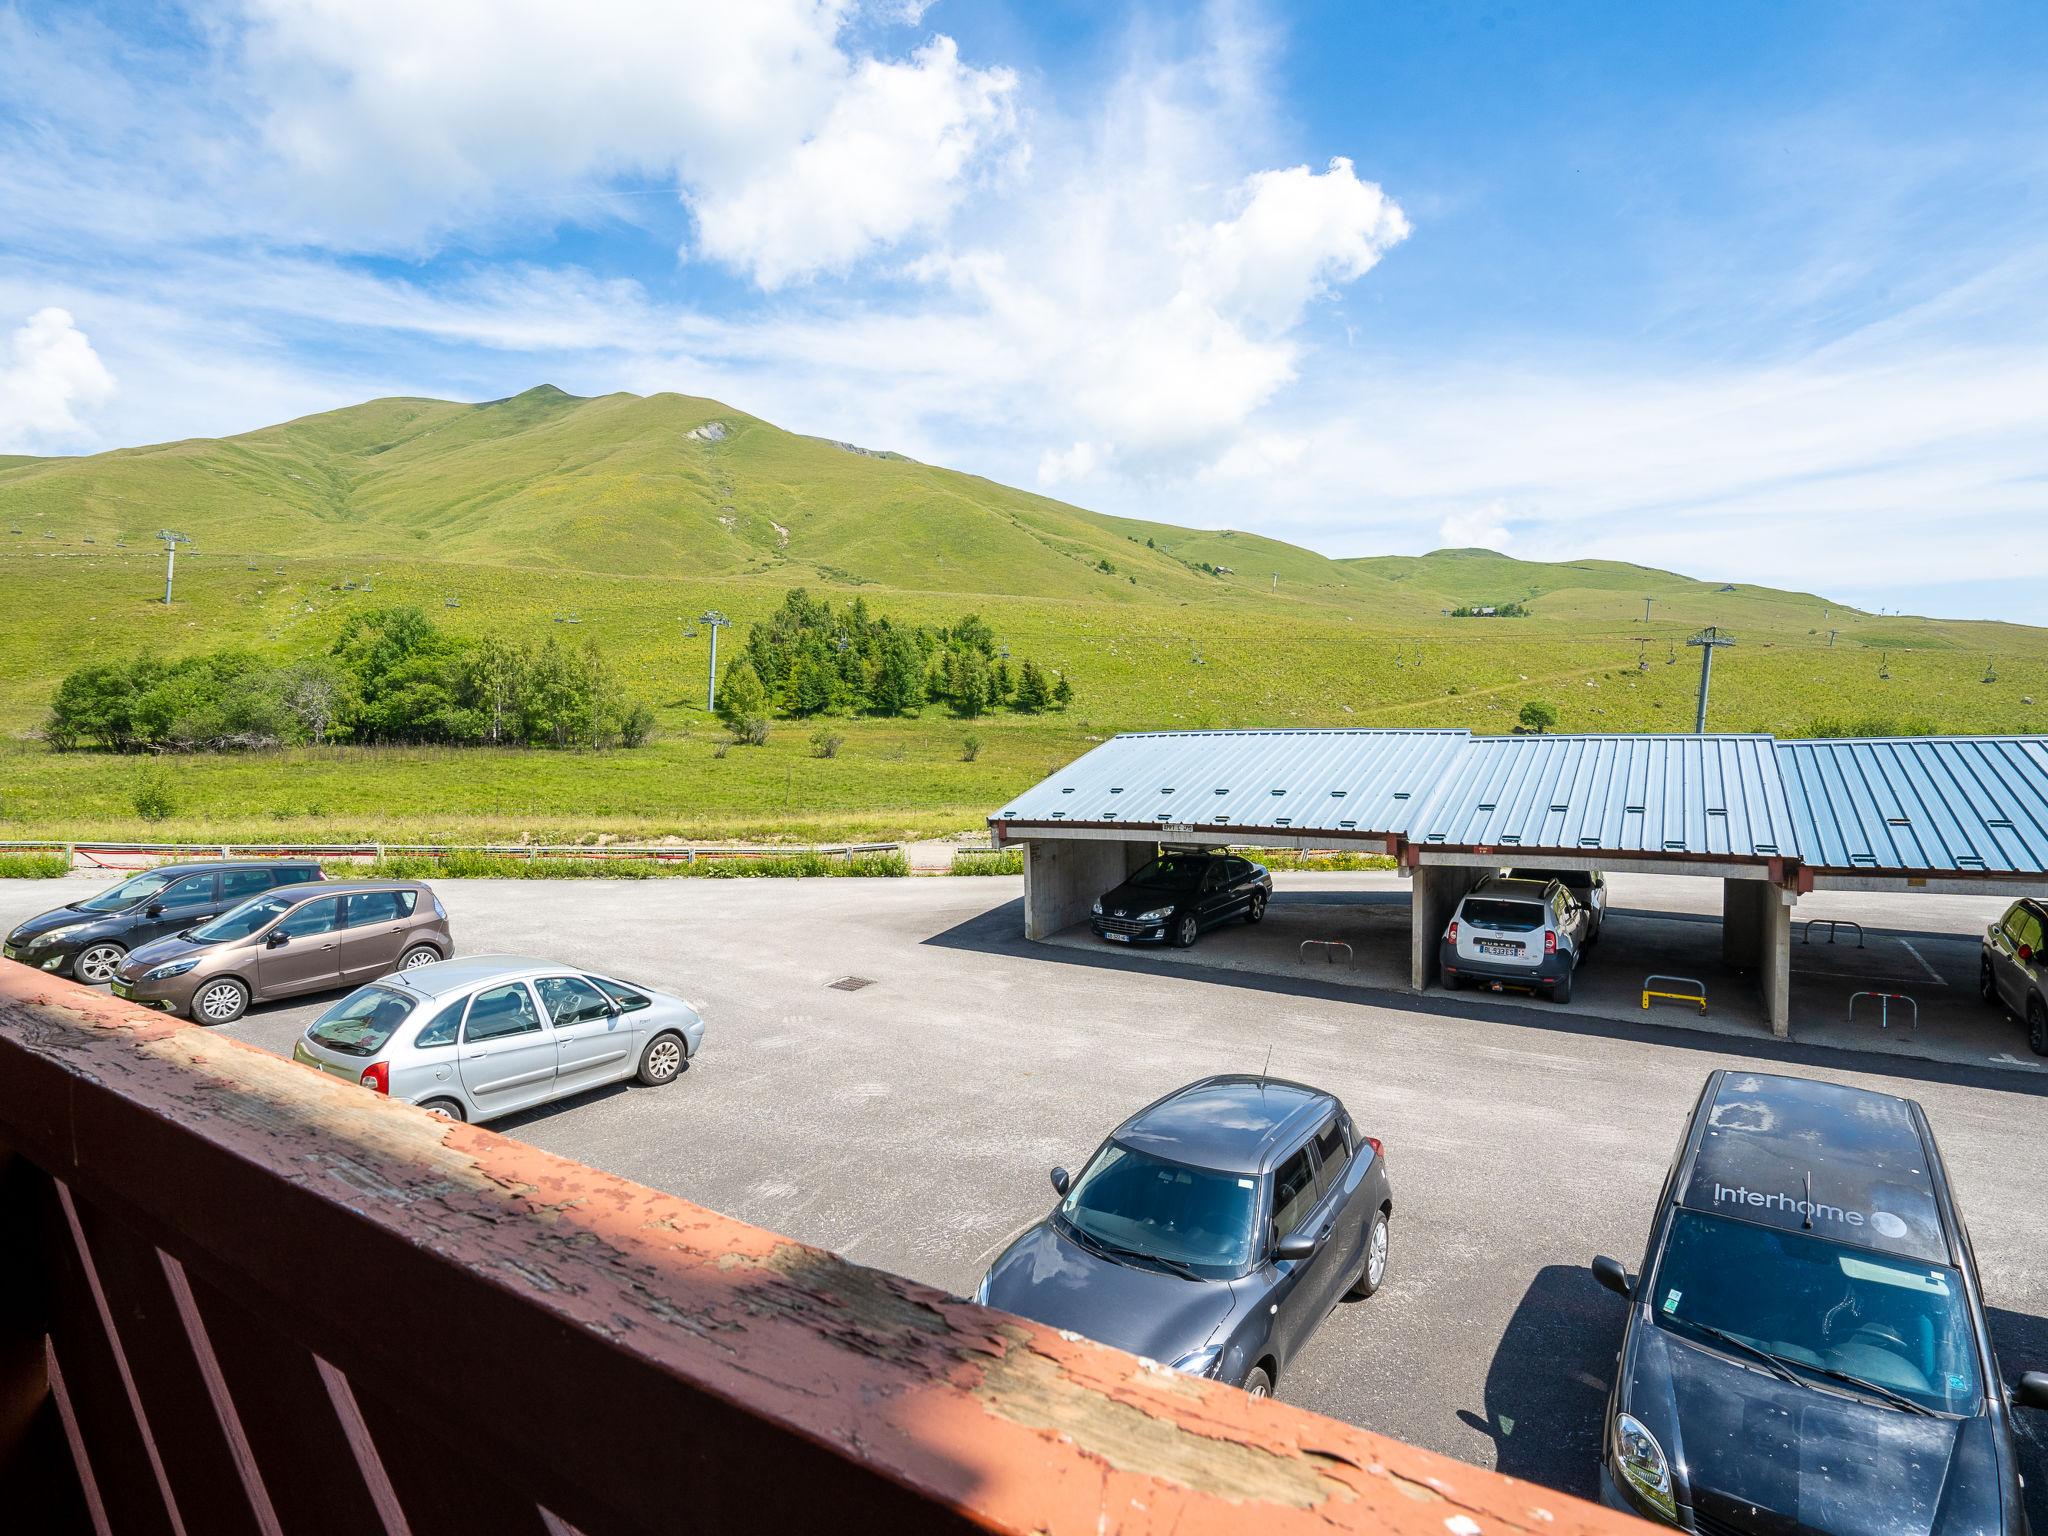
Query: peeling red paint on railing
{"points": [[577, 1344]]}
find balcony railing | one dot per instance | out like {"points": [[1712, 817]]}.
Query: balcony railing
{"points": [[237, 1296]]}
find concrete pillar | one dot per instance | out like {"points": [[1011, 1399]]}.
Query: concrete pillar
{"points": [[1434, 894], [1063, 876], [1756, 938]]}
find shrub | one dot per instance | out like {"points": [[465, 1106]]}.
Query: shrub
{"points": [[464, 865], [826, 743], [33, 866], [154, 798], [750, 731], [988, 861], [970, 748]]}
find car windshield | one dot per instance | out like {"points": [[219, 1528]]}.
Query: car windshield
{"points": [[128, 893], [1484, 912], [360, 1023], [1894, 1323], [1133, 1202], [240, 922], [1172, 874]]}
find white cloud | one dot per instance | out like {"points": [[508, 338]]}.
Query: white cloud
{"points": [[889, 159], [48, 372], [1478, 528], [1075, 463]]}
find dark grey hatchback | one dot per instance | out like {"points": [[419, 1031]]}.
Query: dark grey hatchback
{"points": [[90, 939], [1213, 1231]]}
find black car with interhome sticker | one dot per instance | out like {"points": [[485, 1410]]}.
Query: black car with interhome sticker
{"points": [[1806, 1348]]}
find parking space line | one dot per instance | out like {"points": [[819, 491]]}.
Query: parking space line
{"points": [[1930, 970]]}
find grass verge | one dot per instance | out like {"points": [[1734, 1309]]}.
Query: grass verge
{"points": [[496, 866], [33, 866]]}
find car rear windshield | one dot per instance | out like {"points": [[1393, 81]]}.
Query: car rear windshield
{"points": [[1492, 912], [129, 892], [240, 922], [1137, 1205], [1172, 874], [362, 1022], [1821, 1307]]}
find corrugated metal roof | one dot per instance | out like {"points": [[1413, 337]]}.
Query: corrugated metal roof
{"points": [[1959, 804], [1292, 782], [1682, 796], [1963, 804]]}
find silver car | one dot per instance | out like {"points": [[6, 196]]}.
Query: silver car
{"points": [[489, 1034]]}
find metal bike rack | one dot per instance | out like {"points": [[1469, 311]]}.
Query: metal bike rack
{"points": [[1832, 924], [1329, 947], [1697, 996], [1884, 1008]]}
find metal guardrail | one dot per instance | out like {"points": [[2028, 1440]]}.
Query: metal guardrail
{"points": [[1329, 948], [1884, 1008], [1833, 925], [100, 853], [1697, 996], [603, 1357]]}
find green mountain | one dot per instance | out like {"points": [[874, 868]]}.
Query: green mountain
{"points": [[628, 516]]}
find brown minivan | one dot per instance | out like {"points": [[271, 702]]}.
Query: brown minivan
{"points": [[314, 938]]}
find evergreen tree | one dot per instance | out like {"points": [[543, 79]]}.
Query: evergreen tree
{"points": [[1062, 691], [740, 695], [1032, 693]]}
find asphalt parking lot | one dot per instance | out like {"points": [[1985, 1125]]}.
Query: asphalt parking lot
{"points": [[910, 1123]]}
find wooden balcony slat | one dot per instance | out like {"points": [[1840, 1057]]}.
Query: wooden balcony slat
{"points": [[714, 1374]]}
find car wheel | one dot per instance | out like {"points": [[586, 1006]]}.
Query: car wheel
{"points": [[220, 1002], [2037, 1026], [1257, 1383], [1562, 992], [96, 963], [1374, 1274], [1185, 930], [417, 956], [447, 1109], [1256, 912], [1987, 984], [661, 1061]]}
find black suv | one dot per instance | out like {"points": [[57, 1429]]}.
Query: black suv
{"points": [[1177, 895], [1806, 1349], [89, 939]]}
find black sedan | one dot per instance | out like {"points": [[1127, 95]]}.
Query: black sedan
{"points": [[88, 940], [1213, 1231], [1177, 895]]}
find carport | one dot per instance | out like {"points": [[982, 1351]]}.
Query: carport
{"points": [[1768, 820]]}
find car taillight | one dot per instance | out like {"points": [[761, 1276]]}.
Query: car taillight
{"points": [[1377, 1149], [1549, 942], [1452, 936], [377, 1075]]}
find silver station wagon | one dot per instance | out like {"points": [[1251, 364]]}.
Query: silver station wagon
{"points": [[489, 1034]]}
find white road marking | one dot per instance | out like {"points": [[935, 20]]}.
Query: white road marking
{"points": [[1930, 970]]}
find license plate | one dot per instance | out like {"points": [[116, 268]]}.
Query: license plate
{"points": [[1495, 947], [10, 952], [1118, 938], [120, 988]]}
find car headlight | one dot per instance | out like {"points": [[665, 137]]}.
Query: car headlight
{"points": [[1640, 1465], [50, 936], [1097, 907], [1156, 915], [175, 968], [981, 1291], [1201, 1362]]}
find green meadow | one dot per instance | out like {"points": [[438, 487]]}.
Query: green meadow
{"points": [[608, 519]]}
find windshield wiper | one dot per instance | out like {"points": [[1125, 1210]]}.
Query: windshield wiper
{"points": [[1115, 1253], [1778, 1365], [1897, 1399], [1171, 1266]]}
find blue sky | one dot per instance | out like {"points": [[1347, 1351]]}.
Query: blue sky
{"points": [[1756, 292]]}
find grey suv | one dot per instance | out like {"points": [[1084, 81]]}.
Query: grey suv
{"points": [[2014, 970], [89, 940]]}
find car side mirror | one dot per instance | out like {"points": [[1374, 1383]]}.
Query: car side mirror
{"points": [[1061, 1180], [1295, 1245], [1610, 1274], [156, 909], [277, 941], [2032, 1391]]}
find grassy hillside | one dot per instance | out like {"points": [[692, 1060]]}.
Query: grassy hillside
{"points": [[628, 516]]}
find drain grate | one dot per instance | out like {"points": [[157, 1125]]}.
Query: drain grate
{"points": [[851, 983]]}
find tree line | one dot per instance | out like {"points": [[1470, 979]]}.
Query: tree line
{"points": [[391, 675], [809, 659]]}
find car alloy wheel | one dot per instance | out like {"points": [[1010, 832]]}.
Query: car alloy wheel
{"points": [[1257, 910], [1376, 1253], [663, 1061], [2037, 1026], [220, 1003], [97, 963], [1185, 930], [1258, 1383], [417, 956]]}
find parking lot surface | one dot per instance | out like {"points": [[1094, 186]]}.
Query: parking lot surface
{"points": [[910, 1122]]}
